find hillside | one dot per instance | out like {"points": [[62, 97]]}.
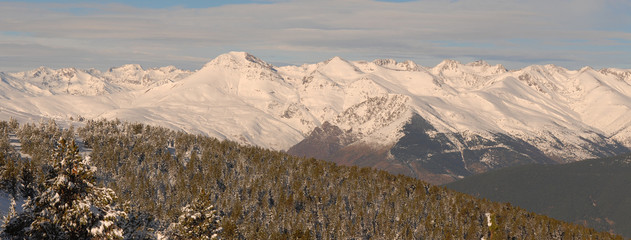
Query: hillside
{"points": [[591, 192], [261, 193], [438, 123]]}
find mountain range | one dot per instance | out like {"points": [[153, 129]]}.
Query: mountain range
{"points": [[438, 123]]}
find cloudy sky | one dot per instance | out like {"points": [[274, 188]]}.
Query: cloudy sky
{"points": [[516, 33]]}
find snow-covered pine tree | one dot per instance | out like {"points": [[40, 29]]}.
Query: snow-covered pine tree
{"points": [[71, 206], [199, 220], [28, 185], [11, 216], [139, 225]]}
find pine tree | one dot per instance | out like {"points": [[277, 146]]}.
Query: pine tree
{"points": [[12, 214], [199, 220], [70, 206], [11, 222], [9, 177], [27, 185], [139, 225]]}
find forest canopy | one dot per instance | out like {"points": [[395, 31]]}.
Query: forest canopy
{"points": [[168, 183]]}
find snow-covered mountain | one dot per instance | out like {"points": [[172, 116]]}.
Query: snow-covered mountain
{"points": [[71, 81], [437, 123]]}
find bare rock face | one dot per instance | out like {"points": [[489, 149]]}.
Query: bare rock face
{"points": [[323, 142], [424, 153]]}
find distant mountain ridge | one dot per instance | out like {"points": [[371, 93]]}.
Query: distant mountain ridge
{"points": [[44, 81], [437, 123]]}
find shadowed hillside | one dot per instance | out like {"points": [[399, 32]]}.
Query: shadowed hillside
{"points": [[591, 192]]}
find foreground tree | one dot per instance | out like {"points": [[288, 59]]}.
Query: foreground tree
{"points": [[199, 220], [71, 206]]}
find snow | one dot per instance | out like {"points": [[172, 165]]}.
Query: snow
{"points": [[5, 203], [239, 97], [70, 81], [488, 219]]}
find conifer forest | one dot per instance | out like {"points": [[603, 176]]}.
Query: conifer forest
{"points": [[119, 180]]}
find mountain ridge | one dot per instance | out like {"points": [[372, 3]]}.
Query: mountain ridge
{"points": [[567, 115]]}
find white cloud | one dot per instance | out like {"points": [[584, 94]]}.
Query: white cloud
{"points": [[516, 33]]}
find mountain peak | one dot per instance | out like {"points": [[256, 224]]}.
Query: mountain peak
{"points": [[586, 69], [407, 65], [235, 59], [35, 73], [478, 63], [126, 67], [448, 64], [385, 62], [339, 68], [239, 56], [335, 60], [486, 68]]}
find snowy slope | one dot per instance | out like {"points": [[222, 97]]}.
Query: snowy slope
{"points": [[566, 114], [235, 96]]}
